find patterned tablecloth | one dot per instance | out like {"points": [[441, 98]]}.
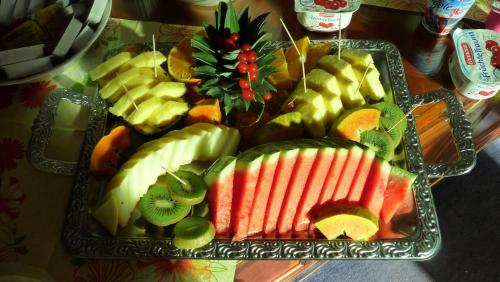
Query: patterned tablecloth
{"points": [[32, 203]]}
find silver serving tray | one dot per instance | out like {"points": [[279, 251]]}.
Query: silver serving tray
{"points": [[420, 239]]}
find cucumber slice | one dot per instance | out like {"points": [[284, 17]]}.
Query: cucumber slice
{"points": [[193, 232]]}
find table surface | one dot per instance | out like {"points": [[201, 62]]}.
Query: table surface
{"points": [[425, 59]]}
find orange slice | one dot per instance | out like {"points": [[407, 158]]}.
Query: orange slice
{"points": [[181, 62], [314, 53], [293, 58], [281, 79]]}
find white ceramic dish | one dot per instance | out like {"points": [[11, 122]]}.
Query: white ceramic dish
{"points": [[59, 68]]}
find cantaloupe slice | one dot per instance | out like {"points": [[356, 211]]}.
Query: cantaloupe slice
{"points": [[355, 222], [351, 123]]}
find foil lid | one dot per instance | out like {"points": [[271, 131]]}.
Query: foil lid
{"points": [[325, 6], [478, 53]]}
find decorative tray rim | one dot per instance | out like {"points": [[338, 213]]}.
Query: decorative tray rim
{"points": [[420, 247]]}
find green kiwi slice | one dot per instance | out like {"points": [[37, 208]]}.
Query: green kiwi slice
{"points": [[380, 142], [396, 135], [193, 232], [201, 210], [159, 208], [190, 191], [392, 116]]}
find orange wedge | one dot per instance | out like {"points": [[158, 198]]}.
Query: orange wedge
{"points": [[281, 79], [181, 62], [293, 58], [314, 53]]}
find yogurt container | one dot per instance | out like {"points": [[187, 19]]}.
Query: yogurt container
{"points": [[320, 18], [475, 64]]}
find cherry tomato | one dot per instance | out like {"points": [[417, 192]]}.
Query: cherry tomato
{"points": [[235, 36], [244, 84], [242, 57], [246, 47], [242, 67], [251, 56], [247, 94]]}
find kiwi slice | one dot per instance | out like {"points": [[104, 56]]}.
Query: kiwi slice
{"points": [[200, 210], [190, 191], [396, 135], [380, 142], [159, 208], [392, 116], [193, 232]]}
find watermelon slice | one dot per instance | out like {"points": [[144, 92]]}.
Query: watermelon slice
{"points": [[295, 188], [373, 194], [359, 180], [398, 188], [333, 175], [262, 189], [245, 179], [278, 189], [219, 180], [312, 189], [347, 175]]}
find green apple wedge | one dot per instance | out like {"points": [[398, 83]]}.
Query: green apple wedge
{"points": [[152, 160]]}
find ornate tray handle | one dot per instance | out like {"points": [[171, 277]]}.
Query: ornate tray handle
{"points": [[461, 130], [41, 130]]}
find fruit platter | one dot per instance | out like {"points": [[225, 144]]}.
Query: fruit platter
{"points": [[229, 146]]}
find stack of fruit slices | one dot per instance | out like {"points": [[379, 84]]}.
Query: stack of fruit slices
{"points": [[275, 189]]}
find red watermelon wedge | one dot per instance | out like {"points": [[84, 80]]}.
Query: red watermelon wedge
{"points": [[219, 180], [246, 175], [373, 194], [359, 180], [278, 189], [347, 175], [262, 189], [398, 189], [312, 189], [298, 179], [332, 176]]}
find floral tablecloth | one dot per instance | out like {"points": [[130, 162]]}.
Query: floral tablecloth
{"points": [[32, 203]]}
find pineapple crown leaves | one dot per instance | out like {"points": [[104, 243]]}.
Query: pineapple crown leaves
{"points": [[216, 64]]}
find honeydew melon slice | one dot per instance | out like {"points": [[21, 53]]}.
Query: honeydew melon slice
{"points": [[152, 160], [124, 106], [144, 110], [212, 145], [186, 154], [169, 90], [148, 60], [107, 214], [110, 65], [231, 143]]}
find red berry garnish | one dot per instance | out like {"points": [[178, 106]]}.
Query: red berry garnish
{"points": [[490, 44], [251, 56], [246, 47], [267, 96], [242, 57], [253, 75], [229, 44], [342, 3], [242, 67], [252, 68], [235, 36], [244, 84], [247, 94]]}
